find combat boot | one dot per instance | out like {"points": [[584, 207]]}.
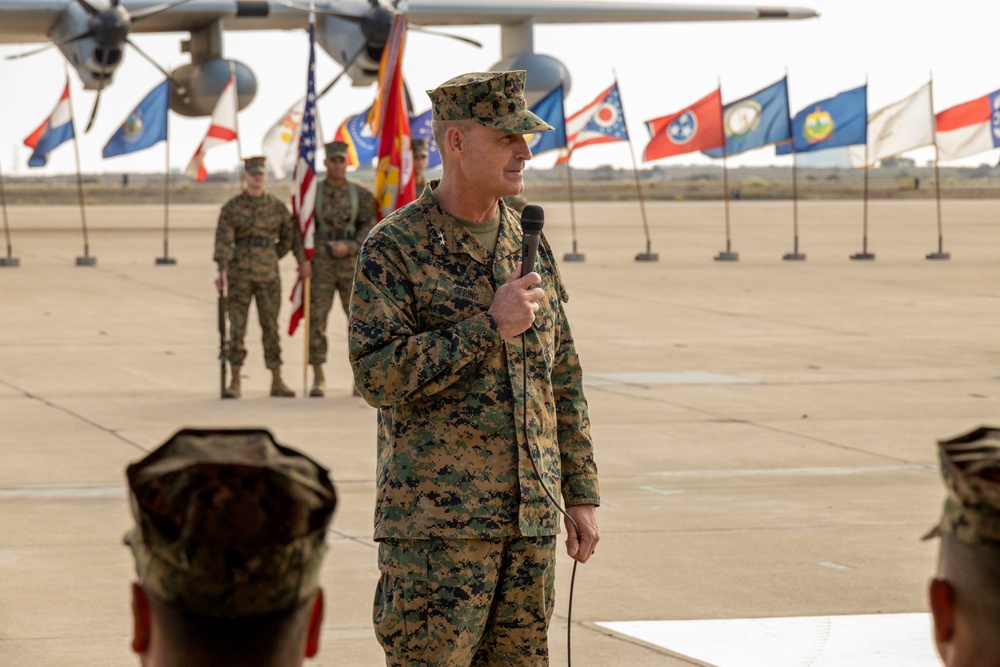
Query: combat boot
{"points": [[234, 388], [278, 387], [318, 389]]}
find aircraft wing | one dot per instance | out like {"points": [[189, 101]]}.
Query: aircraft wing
{"points": [[24, 21]]}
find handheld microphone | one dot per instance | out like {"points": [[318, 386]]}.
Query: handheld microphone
{"points": [[532, 219]]}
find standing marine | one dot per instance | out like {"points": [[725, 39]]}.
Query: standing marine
{"points": [[345, 212], [255, 230]]}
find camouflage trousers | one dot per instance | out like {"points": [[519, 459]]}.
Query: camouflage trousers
{"points": [[330, 277], [268, 298], [465, 603]]}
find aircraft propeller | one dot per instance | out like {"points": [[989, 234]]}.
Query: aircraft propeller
{"points": [[110, 27]]}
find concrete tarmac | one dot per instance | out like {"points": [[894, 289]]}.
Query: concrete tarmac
{"points": [[765, 429]]}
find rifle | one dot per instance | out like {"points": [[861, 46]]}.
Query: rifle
{"points": [[223, 341]]}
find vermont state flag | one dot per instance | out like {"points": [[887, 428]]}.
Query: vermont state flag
{"points": [[756, 120], [838, 121]]}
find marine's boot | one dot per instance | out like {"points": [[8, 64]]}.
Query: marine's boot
{"points": [[234, 388], [319, 381], [278, 387]]}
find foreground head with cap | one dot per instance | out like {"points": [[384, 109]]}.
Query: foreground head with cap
{"points": [[965, 594], [229, 536]]}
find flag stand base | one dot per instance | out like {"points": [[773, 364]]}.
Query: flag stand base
{"points": [[574, 257], [10, 261], [648, 257], [86, 261], [939, 255], [794, 257], [727, 256], [867, 256], [165, 261]]}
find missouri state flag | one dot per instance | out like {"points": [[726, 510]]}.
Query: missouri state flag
{"points": [[756, 120], [146, 126], [969, 128], [839, 121], [57, 129], [696, 128]]}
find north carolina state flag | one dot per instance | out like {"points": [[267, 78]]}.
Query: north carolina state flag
{"points": [[696, 128], [969, 128]]}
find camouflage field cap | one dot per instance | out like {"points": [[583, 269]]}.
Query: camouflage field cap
{"points": [[255, 164], [970, 465], [336, 149], [420, 147], [228, 523], [493, 99]]}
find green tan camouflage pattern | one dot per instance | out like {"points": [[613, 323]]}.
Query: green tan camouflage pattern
{"points": [[252, 270], [334, 276], [507, 593], [255, 165], [970, 466], [425, 352], [420, 147], [493, 99], [228, 523], [335, 148]]}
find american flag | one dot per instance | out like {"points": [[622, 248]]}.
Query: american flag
{"points": [[304, 188]]}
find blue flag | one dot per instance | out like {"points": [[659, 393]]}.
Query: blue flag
{"points": [[838, 121], [550, 109], [145, 126], [756, 120], [420, 128]]}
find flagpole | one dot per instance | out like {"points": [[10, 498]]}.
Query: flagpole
{"points": [[166, 260], [649, 255], [864, 254], [9, 260], [236, 121], [306, 326], [940, 254], [726, 255], [795, 255], [86, 260], [572, 256]]}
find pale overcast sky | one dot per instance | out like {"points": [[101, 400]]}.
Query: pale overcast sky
{"points": [[660, 68]]}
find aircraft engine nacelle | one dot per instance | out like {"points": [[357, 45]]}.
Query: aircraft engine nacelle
{"points": [[543, 74], [341, 40], [95, 62], [204, 82]]}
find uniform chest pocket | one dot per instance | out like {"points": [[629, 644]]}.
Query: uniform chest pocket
{"points": [[452, 302]]}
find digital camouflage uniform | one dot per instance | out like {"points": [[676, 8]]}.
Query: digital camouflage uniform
{"points": [[252, 235], [332, 276], [420, 147], [228, 523], [460, 514], [970, 465]]}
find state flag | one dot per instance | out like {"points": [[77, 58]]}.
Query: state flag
{"points": [[420, 128], [897, 128], [280, 144], [550, 109], [146, 126], [969, 128], [53, 132], [696, 128], [839, 121], [756, 120], [362, 145], [601, 121], [221, 131]]}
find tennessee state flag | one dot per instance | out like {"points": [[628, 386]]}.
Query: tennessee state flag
{"points": [[394, 186], [696, 128]]}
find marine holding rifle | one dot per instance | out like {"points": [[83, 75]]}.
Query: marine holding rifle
{"points": [[255, 230]]}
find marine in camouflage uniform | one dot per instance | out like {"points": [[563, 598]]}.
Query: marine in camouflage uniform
{"points": [[466, 531], [255, 230], [229, 538], [421, 154], [965, 594], [345, 213]]}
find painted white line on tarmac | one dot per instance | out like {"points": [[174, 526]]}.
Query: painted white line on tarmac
{"points": [[866, 640]]}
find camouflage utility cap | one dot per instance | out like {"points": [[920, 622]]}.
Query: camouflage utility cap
{"points": [[229, 524], [493, 99], [336, 149], [970, 465], [255, 165], [420, 147]]}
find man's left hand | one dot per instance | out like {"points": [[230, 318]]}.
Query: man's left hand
{"points": [[339, 249], [582, 538]]}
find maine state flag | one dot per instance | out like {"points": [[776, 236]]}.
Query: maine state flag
{"points": [[145, 126], [550, 109], [756, 120], [841, 120]]}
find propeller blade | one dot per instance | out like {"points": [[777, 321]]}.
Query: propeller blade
{"points": [[460, 38], [178, 86], [93, 11], [153, 11], [350, 62], [82, 35]]}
